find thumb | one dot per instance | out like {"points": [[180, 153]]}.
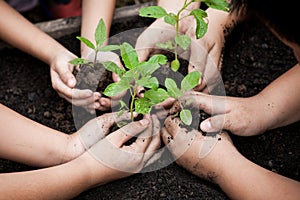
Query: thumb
{"points": [[66, 76]]}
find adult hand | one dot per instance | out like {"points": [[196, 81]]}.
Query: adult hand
{"points": [[241, 116], [201, 155], [63, 81], [115, 159]]}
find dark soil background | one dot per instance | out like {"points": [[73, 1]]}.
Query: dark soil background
{"points": [[253, 57]]}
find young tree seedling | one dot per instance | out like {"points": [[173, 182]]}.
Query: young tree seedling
{"points": [[100, 38], [173, 19]]}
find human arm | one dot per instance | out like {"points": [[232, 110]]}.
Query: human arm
{"points": [[275, 106], [90, 169], [22, 34], [238, 177], [28, 142]]}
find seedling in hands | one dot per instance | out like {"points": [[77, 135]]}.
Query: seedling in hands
{"points": [[136, 75], [188, 83], [173, 19], [100, 38]]}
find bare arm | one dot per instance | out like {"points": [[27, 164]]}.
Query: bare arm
{"points": [[92, 12], [22, 34]]}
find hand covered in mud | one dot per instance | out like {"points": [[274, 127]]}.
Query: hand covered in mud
{"points": [[201, 155], [63, 81], [104, 103], [119, 158], [241, 116]]}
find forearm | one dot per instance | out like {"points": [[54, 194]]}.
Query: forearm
{"points": [[92, 12], [242, 179], [60, 182], [281, 99], [22, 34], [26, 141]]}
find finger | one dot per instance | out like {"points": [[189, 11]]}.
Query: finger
{"points": [[208, 103], [166, 104], [215, 124], [123, 134], [155, 139], [66, 75]]}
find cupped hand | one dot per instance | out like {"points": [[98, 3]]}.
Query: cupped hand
{"points": [[92, 132], [117, 159], [63, 81], [206, 52], [241, 116], [201, 155]]}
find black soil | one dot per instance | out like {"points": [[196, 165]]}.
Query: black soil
{"points": [[253, 58]]}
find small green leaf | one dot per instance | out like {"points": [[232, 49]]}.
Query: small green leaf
{"points": [[146, 68], [190, 81], [175, 64], [78, 61], [183, 41], [148, 82], [129, 56], [86, 42], [153, 12], [142, 106], [159, 59], [218, 4], [100, 33], [171, 18], [156, 96], [167, 45], [201, 25], [186, 117], [115, 88], [113, 67], [109, 48], [172, 88]]}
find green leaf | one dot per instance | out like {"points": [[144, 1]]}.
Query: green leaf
{"points": [[171, 18], [153, 12], [172, 88], [190, 81], [113, 67], [109, 48], [86, 42], [167, 45], [116, 88], [148, 82], [201, 25], [146, 68], [183, 41], [129, 56], [142, 106], [78, 61], [175, 64], [218, 4], [156, 96], [100, 33], [186, 117], [159, 59]]}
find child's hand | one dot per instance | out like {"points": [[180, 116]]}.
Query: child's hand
{"points": [[112, 159], [201, 155], [241, 116], [63, 81]]}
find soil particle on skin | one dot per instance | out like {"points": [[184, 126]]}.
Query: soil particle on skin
{"points": [[253, 57]]}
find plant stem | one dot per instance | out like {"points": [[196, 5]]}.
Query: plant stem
{"points": [[95, 58], [133, 94]]}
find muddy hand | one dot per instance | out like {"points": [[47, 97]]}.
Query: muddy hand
{"points": [[133, 157], [193, 151]]}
